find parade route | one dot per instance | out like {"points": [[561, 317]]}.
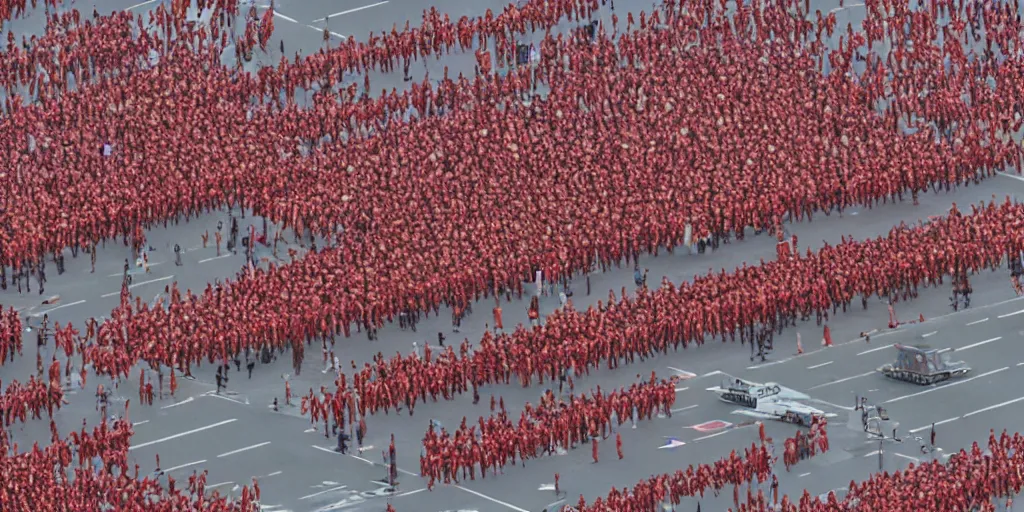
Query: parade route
{"points": [[248, 430]]}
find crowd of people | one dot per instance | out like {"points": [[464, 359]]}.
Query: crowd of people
{"points": [[10, 334], [805, 445], [722, 305], [472, 248], [49, 478], [636, 148], [542, 430], [35, 396], [756, 463]]}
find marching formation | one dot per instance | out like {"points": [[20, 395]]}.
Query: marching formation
{"points": [[554, 424], [457, 190]]}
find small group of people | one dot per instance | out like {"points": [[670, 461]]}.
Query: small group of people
{"points": [[542, 430], [755, 464], [50, 478], [10, 334], [806, 445]]}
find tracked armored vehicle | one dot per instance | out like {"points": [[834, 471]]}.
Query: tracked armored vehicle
{"points": [[923, 365]]}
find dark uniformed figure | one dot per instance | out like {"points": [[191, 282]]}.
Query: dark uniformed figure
{"points": [[220, 378], [249, 366], [177, 255]]}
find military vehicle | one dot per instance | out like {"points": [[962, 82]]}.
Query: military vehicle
{"points": [[923, 365]]}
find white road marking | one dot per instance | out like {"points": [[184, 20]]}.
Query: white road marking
{"points": [[147, 2], [937, 423], [339, 488], [842, 380], [222, 484], [991, 407], [830, 404], [486, 497], [222, 397], [804, 474], [546, 487], [711, 374], [688, 407], [933, 333], [980, 343], [136, 285], [183, 402], [240, 450], [683, 373], [417, 491], [1020, 364], [368, 461], [228, 255], [137, 423], [275, 473], [716, 434], [915, 459], [876, 452], [679, 390], [837, 9], [952, 384], [286, 18], [769, 364], [308, 430], [335, 34], [1018, 178], [151, 265], [819, 365], [350, 11], [183, 434], [184, 466], [51, 310], [875, 349], [1011, 314], [978, 321]]}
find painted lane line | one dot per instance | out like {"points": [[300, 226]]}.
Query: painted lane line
{"points": [[147, 2], [976, 322], [51, 310], [350, 11], [222, 397], [876, 452], [183, 402], [837, 9], [275, 473], [992, 407], [683, 373], [240, 450], [1015, 313], [915, 459], [819, 365], [1018, 178], [175, 468], [137, 285], [804, 474], [937, 423], [183, 434], [680, 390], [286, 18], [688, 407], [335, 34], [222, 484], [952, 384], [333, 489], [933, 333], [486, 497], [716, 434], [875, 349], [842, 380], [222, 256], [980, 343], [137, 423], [1020, 364], [771, 363], [410, 493]]}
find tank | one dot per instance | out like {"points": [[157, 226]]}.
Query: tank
{"points": [[923, 365]]}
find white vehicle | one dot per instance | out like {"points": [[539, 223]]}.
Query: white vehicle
{"points": [[749, 394], [784, 410]]}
